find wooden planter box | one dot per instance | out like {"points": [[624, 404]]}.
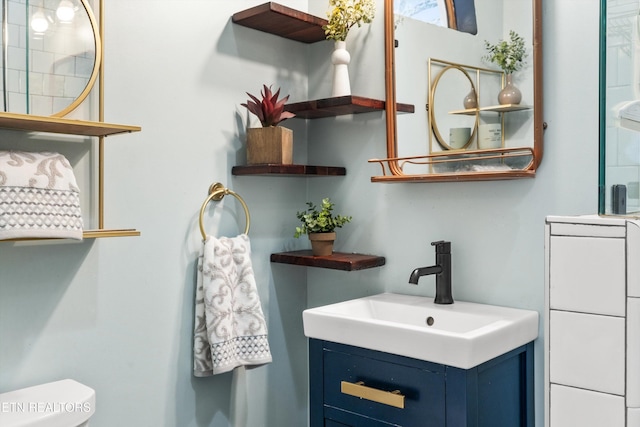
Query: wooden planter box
{"points": [[269, 145]]}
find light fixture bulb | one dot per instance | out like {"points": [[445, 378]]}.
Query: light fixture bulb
{"points": [[39, 23], [65, 11]]}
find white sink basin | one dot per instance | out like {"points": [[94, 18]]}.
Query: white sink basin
{"points": [[462, 334]]}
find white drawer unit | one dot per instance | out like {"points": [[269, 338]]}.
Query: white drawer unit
{"points": [[592, 322], [576, 269], [581, 345], [572, 406]]}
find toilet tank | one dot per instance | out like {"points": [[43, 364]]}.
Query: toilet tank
{"points": [[65, 403]]}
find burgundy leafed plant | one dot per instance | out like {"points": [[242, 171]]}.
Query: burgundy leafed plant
{"points": [[270, 110]]}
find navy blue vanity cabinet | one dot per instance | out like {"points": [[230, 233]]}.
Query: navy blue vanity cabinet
{"points": [[406, 392]]}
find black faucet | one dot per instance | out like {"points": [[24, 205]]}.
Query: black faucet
{"points": [[442, 270]]}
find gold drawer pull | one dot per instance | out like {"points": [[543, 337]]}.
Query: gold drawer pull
{"points": [[391, 398]]}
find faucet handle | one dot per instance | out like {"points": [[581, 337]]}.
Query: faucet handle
{"points": [[442, 247]]}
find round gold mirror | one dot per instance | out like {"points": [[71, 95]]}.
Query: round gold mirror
{"points": [[50, 56], [452, 126]]}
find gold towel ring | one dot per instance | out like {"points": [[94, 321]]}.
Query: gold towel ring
{"points": [[216, 192]]}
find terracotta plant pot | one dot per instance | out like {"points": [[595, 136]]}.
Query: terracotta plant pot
{"points": [[269, 145], [322, 243]]}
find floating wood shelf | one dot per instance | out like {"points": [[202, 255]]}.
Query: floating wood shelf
{"points": [[282, 21], [31, 123], [337, 261], [288, 170], [341, 105]]}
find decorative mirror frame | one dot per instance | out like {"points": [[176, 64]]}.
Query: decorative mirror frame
{"points": [[96, 65], [391, 167], [435, 131]]}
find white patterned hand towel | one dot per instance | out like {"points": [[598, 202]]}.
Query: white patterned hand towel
{"points": [[39, 196], [230, 328]]}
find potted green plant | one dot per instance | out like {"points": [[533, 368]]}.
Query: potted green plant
{"points": [[509, 56], [320, 225], [270, 143]]}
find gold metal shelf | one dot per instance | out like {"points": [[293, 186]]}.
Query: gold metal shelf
{"points": [[86, 234], [32, 123], [95, 234], [58, 125], [507, 108], [67, 126]]}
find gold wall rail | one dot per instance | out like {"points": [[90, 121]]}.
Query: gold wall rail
{"points": [[468, 157]]}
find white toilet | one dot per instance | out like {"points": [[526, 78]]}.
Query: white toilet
{"points": [[65, 403]]}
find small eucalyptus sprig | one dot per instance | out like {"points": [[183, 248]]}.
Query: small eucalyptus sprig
{"points": [[319, 221], [508, 55], [345, 14]]}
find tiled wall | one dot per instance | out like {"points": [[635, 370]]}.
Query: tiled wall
{"points": [[623, 73], [58, 66]]}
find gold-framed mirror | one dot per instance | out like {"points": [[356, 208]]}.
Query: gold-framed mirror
{"points": [[409, 157], [451, 84], [51, 55]]}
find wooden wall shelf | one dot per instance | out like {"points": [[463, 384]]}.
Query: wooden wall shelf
{"points": [[337, 261], [31, 123], [288, 170], [341, 105], [282, 21]]}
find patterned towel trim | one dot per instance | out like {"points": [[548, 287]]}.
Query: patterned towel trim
{"points": [[35, 212]]}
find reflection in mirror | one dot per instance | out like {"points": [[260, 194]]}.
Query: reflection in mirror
{"points": [[455, 14], [410, 46], [619, 171], [451, 86], [50, 55]]}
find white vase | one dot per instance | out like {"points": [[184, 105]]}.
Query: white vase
{"points": [[340, 59]]}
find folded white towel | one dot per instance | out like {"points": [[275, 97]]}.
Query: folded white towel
{"points": [[230, 328], [39, 196]]}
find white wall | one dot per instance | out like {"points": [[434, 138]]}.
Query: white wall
{"points": [[116, 314]]}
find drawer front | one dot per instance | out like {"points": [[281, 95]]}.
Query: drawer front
{"points": [[633, 353], [633, 255], [584, 346], [633, 417], [587, 274], [377, 379], [576, 407]]}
